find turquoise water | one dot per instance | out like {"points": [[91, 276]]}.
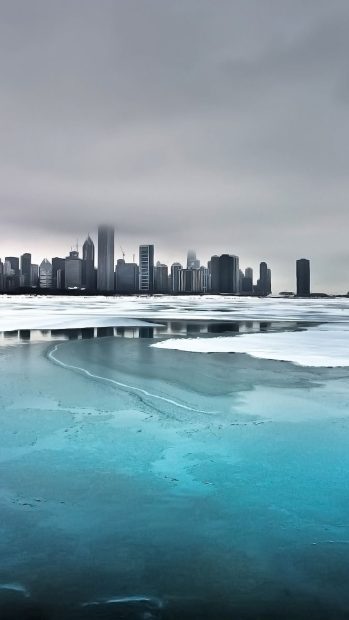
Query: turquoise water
{"points": [[148, 483]]}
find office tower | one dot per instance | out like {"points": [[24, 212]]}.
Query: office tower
{"points": [[146, 268], [160, 278], [58, 272], [14, 262], [186, 280], [228, 273], [105, 271], [88, 265], [34, 275], [174, 277], [203, 279], [126, 277], [45, 274], [213, 269], [192, 261], [2, 284], [73, 270], [303, 277], [26, 261], [247, 281], [263, 286]]}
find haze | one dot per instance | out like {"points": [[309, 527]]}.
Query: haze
{"points": [[221, 126]]}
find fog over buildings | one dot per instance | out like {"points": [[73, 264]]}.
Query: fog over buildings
{"points": [[218, 126]]}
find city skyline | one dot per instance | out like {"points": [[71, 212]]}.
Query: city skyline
{"points": [[222, 273], [227, 142]]}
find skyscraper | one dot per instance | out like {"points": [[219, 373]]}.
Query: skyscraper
{"points": [[192, 261], [263, 286], [175, 269], [161, 278], [73, 270], [105, 273], [88, 264], [58, 272], [126, 277], [45, 274], [146, 268], [26, 261], [303, 277], [228, 273]]}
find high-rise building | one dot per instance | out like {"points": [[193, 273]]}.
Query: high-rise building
{"points": [[2, 284], [73, 270], [174, 277], [105, 271], [203, 279], [45, 274], [213, 270], [26, 261], [146, 268], [160, 278], [303, 277], [34, 275], [263, 286], [228, 273], [126, 277], [88, 265], [192, 261], [247, 281], [58, 272], [14, 262]]}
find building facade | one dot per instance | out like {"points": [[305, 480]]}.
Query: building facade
{"points": [[146, 268], [105, 270], [303, 277]]}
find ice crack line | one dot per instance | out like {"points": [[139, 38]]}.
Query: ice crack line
{"points": [[53, 358]]}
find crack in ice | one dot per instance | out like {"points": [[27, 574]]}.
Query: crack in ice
{"points": [[86, 372]]}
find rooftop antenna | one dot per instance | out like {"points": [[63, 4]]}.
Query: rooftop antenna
{"points": [[123, 252]]}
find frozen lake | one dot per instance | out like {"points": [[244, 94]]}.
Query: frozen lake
{"points": [[161, 482]]}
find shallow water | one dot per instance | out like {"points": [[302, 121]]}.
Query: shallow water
{"points": [[151, 483]]}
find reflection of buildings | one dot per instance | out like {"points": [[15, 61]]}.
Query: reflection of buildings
{"points": [[303, 277], [105, 272], [146, 268]]}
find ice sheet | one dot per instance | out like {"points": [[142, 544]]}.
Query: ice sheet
{"points": [[26, 312], [325, 345]]}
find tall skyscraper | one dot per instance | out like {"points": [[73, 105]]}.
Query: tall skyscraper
{"points": [[58, 272], [175, 269], [88, 265], [126, 277], [229, 273], [26, 261], [105, 272], [192, 261], [247, 281], [73, 270], [2, 283], [146, 268], [34, 274], [213, 269], [45, 274], [263, 286], [160, 278], [303, 277]]}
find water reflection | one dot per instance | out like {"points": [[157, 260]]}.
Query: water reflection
{"points": [[166, 329]]}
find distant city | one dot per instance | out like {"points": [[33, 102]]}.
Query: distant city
{"points": [[222, 274]]}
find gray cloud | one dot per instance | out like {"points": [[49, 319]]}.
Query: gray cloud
{"points": [[219, 125]]}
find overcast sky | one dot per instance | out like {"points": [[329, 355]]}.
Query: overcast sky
{"points": [[213, 124]]}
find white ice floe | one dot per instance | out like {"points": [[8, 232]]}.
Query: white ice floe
{"points": [[325, 345], [26, 312]]}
